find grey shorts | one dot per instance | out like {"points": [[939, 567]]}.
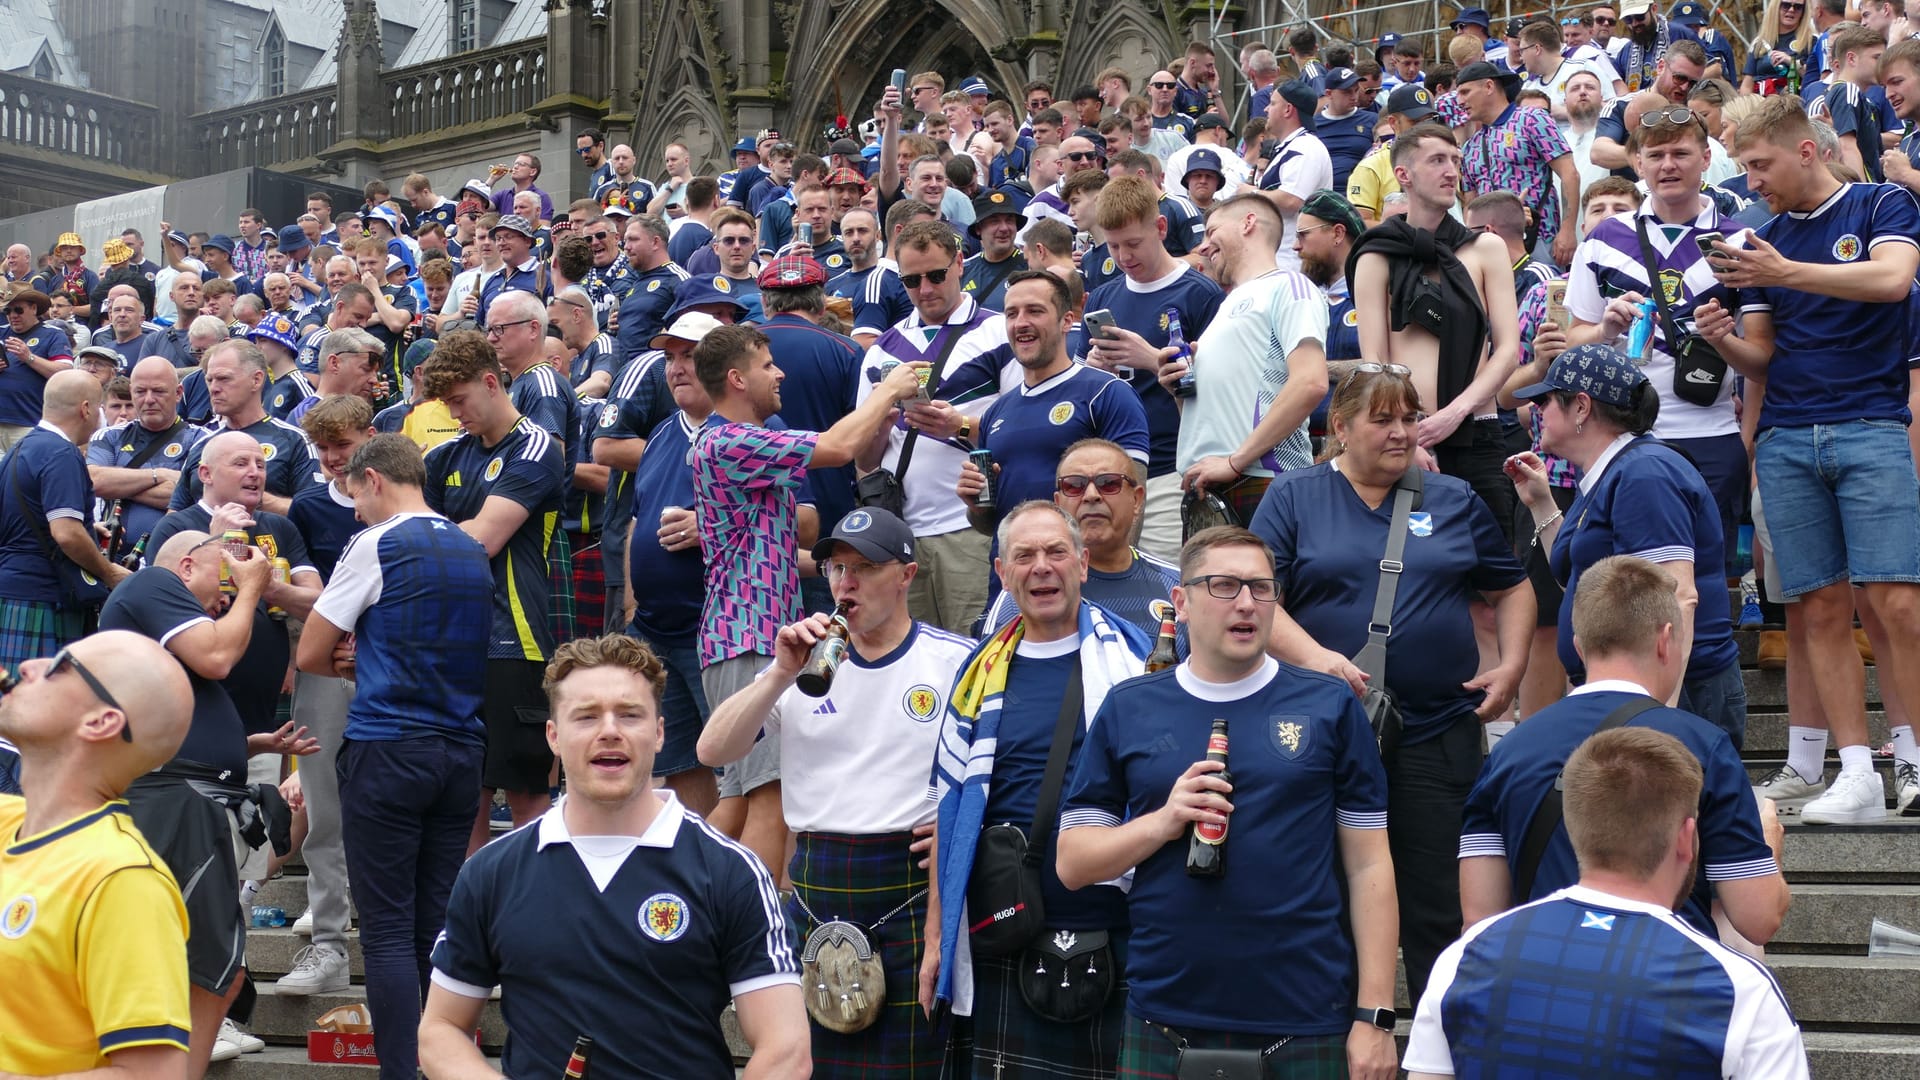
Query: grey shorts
{"points": [[762, 764]]}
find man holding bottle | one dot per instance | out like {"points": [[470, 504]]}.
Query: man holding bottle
{"points": [[854, 757], [1305, 769]]}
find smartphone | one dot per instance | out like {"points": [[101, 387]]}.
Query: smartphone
{"points": [[1557, 304], [900, 82], [1099, 324], [1706, 240]]}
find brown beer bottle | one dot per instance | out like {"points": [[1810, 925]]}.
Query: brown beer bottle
{"points": [[1206, 841], [1164, 654], [577, 1063], [817, 677]]}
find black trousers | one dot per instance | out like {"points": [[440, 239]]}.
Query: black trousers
{"points": [[1427, 786], [1480, 463]]}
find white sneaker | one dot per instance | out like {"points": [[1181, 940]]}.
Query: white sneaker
{"points": [[304, 924], [1854, 798], [1786, 786], [1906, 779], [224, 1050], [231, 1033], [316, 970]]}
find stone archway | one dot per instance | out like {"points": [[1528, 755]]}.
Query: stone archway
{"points": [[857, 48]]}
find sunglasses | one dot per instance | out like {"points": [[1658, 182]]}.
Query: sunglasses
{"points": [[1379, 369], [65, 659], [937, 277], [601, 234], [21, 310], [1073, 485], [1227, 587], [1163, 85], [583, 151], [1793, 7], [1601, 21], [1679, 115], [734, 241], [1083, 155]]}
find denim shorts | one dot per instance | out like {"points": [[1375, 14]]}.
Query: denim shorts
{"points": [[683, 707], [1843, 503]]}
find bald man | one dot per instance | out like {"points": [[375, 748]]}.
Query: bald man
{"points": [[92, 937], [173, 603], [46, 525], [136, 464], [19, 263]]}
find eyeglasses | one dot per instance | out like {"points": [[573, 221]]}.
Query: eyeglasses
{"points": [[837, 570], [1084, 155], [1378, 369], [1266, 590], [734, 241], [1679, 114], [1305, 229], [65, 659], [1074, 485], [1163, 85], [497, 329], [936, 277]]}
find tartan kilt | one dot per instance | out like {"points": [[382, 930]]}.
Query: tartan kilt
{"points": [[860, 879], [589, 585], [560, 588], [1146, 1053], [1243, 498], [33, 629], [1011, 1041]]}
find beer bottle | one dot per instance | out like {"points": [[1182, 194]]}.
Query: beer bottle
{"points": [[1177, 338], [1164, 654], [1206, 846], [817, 677], [577, 1062]]}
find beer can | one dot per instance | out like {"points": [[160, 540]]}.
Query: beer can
{"points": [[983, 460], [803, 233]]}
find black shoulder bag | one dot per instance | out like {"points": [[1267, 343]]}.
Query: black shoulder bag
{"points": [[80, 591], [1003, 892], [1382, 712], [885, 488], [1546, 820], [1699, 371]]}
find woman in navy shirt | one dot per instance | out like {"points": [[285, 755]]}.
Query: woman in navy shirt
{"points": [[1785, 25], [1637, 497], [1328, 526]]}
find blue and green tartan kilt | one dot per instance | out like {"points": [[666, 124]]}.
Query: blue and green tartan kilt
{"points": [[560, 588], [589, 585], [32, 629], [1011, 1041], [1147, 1052], [860, 879]]}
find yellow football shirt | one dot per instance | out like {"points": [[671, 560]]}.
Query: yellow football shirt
{"points": [[93, 943], [429, 424], [1371, 181]]}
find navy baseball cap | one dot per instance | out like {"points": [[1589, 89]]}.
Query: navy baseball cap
{"points": [[1339, 79], [704, 289], [1688, 13], [872, 532], [1480, 69], [178, 237], [292, 238], [1472, 16], [1601, 372], [219, 240], [1212, 120], [1301, 95], [1411, 100]]}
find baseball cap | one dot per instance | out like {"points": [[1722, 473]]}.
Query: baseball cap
{"points": [[1203, 161], [395, 262], [617, 209], [791, 272], [703, 289], [116, 251], [1515, 25], [292, 238], [219, 240], [1601, 372], [278, 329], [1687, 13], [691, 326], [1212, 120], [1472, 16], [1301, 95], [1339, 79], [177, 237], [1635, 7], [1411, 100], [872, 532], [844, 147], [1333, 208], [516, 223], [746, 146], [845, 177], [992, 203], [1480, 69]]}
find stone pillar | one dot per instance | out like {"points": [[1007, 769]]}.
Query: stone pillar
{"points": [[576, 92], [364, 116], [753, 99], [620, 39]]}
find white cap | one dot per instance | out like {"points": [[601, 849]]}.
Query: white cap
{"points": [[691, 326]]}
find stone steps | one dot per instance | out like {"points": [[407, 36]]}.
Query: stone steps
{"points": [[1835, 919]]}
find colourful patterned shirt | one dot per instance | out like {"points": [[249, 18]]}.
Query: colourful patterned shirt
{"points": [[1516, 153], [744, 479], [1451, 112], [1533, 313]]}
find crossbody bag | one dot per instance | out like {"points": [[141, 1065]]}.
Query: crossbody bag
{"points": [[1383, 713]]}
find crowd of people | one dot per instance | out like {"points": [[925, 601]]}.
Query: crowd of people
{"points": [[865, 585]]}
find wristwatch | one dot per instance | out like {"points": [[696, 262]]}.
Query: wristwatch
{"points": [[966, 427], [1384, 1019]]}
